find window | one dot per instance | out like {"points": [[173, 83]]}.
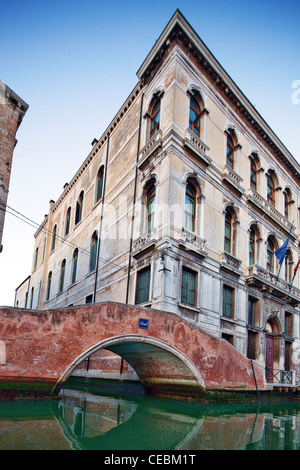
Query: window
{"points": [[252, 311], [79, 204], [36, 258], [31, 298], [155, 117], [253, 174], [230, 151], [270, 254], [188, 287], [270, 190], [89, 299], [150, 207], [251, 246], [228, 232], [53, 237], [228, 310], [194, 119], [99, 185], [67, 223], [62, 275], [93, 252], [143, 285], [288, 266], [190, 207], [287, 203], [49, 285], [74, 266]]}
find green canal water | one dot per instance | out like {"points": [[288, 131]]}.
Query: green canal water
{"points": [[81, 420]]}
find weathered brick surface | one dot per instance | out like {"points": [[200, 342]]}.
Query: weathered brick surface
{"points": [[48, 344], [12, 110]]}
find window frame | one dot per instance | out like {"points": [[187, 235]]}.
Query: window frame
{"points": [[228, 305], [189, 296], [142, 298]]}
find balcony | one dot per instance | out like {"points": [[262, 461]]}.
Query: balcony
{"points": [[153, 144], [144, 243], [231, 177], [199, 148], [266, 281], [267, 208], [192, 243], [231, 263]]}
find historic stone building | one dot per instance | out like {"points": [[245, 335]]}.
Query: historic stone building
{"points": [[181, 205], [12, 111]]}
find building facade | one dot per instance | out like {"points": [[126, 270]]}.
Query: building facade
{"points": [[181, 205], [12, 111]]}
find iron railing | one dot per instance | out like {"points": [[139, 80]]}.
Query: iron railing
{"points": [[279, 376]]}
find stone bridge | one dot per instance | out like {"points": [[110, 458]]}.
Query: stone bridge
{"points": [[166, 351]]}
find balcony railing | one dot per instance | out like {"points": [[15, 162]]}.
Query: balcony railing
{"points": [[191, 242], [267, 208], [197, 146], [267, 281]]}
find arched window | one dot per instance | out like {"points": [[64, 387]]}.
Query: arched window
{"points": [[151, 193], [287, 203], [251, 247], [288, 266], [93, 252], [253, 174], [99, 185], [270, 190], [49, 285], [154, 117], [230, 151], [190, 207], [74, 266], [53, 237], [230, 230], [31, 298], [62, 275], [79, 204], [36, 258], [68, 220], [270, 254], [194, 118]]}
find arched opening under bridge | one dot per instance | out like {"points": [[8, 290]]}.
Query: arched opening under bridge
{"points": [[159, 366]]}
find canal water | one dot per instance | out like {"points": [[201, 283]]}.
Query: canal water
{"points": [[81, 420]]}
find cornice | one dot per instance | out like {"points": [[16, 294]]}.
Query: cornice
{"points": [[178, 30]]}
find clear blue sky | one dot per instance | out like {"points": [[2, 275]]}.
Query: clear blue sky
{"points": [[75, 62]]}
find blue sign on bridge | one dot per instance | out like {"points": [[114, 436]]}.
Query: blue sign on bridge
{"points": [[143, 323]]}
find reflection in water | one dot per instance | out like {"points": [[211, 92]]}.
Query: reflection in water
{"points": [[102, 422], [82, 420]]}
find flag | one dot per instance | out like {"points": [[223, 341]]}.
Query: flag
{"points": [[281, 252], [295, 269]]}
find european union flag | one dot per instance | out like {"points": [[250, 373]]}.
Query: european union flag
{"points": [[281, 252]]}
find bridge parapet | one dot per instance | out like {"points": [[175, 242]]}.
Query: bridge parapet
{"points": [[165, 350]]}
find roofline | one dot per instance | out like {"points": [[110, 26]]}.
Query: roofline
{"points": [[179, 20]]}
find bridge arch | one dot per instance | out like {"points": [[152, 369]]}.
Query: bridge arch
{"points": [[156, 362]]}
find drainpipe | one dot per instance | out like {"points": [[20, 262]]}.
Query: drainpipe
{"points": [[101, 219], [134, 198]]}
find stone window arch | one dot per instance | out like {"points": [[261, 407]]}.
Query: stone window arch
{"points": [[62, 275], [272, 246]]}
